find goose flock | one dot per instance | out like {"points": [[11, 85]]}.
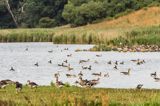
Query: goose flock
{"points": [[86, 74]]}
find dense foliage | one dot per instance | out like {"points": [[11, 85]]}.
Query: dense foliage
{"points": [[51, 13]]}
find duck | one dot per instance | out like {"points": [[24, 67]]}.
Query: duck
{"points": [[36, 64], [32, 84], [97, 74], [139, 86], [12, 69], [18, 86], [126, 73]]}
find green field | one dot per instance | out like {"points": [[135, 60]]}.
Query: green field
{"points": [[75, 96]]}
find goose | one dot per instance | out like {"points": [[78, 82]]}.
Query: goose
{"points": [[32, 84], [56, 74], [70, 75], [106, 75], [116, 63], [97, 74], [90, 67], [50, 51], [7, 81], [69, 68], [59, 83], [12, 69], [83, 61], [99, 55], [3, 84], [80, 74], [18, 87], [121, 63], [61, 64], [85, 67], [50, 61], [109, 62], [83, 82], [69, 55], [126, 73], [65, 61], [139, 86], [157, 79], [154, 74], [115, 67], [26, 49], [66, 49], [95, 80], [36, 64]]}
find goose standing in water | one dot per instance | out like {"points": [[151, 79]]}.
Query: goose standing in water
{"points": [[12, 69], [126, 73], [115, 67], [50, 61], [36, 64], [154, 74], [32, 84], [97, 74]]}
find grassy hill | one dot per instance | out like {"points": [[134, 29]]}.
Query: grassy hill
{"points": [[96, 33]]}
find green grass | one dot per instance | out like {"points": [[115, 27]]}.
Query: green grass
{"points": [[72, 96]]}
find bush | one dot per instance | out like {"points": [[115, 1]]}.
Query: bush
{"points": [[47, 22]]}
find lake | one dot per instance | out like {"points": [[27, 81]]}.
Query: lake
{"points": [[15, 55]]}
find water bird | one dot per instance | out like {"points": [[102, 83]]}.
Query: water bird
{"points": [[99, 55], [121, 63], [139, 86], [50, 61], [109, 62], [59, 83], [69, 55], [80, 74], [50, 51], [12, 69], [97, 74], [3, 84], [36, 64], [157, 79], [153, 74], [126, 73], [83, 61], [69, 67], [106, 75], [18, 86], [70, 75], [32, 84], [85, 67], [26, 49], [115, 67], [116, 63], [65, 61]]}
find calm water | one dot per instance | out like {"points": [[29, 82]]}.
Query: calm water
{"points": [[14, 54]]}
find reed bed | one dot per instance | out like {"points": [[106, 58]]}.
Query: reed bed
{"points": [[74, 96]]}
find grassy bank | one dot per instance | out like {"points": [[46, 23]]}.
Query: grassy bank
{"points": [[74, 96], [98, 33]]}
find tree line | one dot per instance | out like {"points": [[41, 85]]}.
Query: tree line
{"points": [[52, 13]]}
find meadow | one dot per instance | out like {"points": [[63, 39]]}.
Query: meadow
{"points": [[75, 96]]}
